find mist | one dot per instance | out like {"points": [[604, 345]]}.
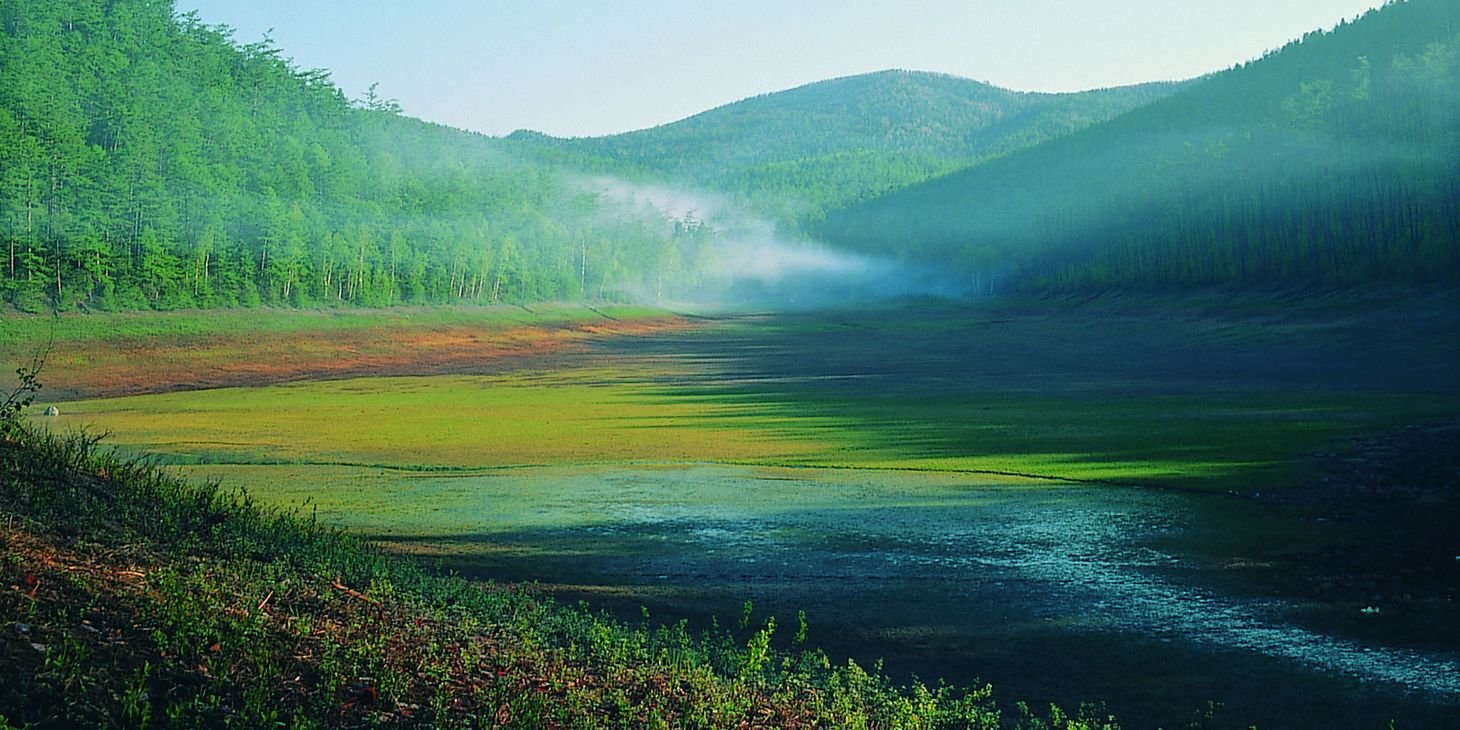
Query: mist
{"points": [[732, 259]]}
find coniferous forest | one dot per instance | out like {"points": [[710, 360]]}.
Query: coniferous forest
{"points": [[794, 155], [149, 160], [1334, 161]]}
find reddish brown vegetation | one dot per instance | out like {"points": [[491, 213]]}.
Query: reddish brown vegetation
{"points": [[162, 364]]}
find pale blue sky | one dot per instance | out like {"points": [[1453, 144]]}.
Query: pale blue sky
{"points": [[575, 67]]}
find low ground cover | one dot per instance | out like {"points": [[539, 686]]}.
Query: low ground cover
{"points": [[1239, 404], [154, 352], [1165, 394], [135, 599]]}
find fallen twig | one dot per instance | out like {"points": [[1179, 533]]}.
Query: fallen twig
{"points": [[351, 592], [265, 602]]}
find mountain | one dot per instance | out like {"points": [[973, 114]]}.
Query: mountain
{"points": [[1333, 161], [148, 161], [795, 153]]}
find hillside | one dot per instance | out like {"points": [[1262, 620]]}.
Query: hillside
{"points": [[794, 153], [149, 161], [1334, 161]]}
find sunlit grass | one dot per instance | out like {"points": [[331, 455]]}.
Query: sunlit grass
{"points": [[957, 391], [1234, 441], [624, 415], [441, 422]]}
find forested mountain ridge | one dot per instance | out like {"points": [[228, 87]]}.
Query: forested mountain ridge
{"points": [[1334, 161], [148, 161], [792, 154]]}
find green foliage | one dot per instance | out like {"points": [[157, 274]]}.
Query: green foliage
{"points": [[243, 617], [20, 398], [1089, 717], [795, 154], [136, 703], [1331, 162], [757, 649], [27, 385], [147, 161]]}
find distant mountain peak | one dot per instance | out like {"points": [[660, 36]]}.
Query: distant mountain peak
{"points": [[830, 142]]}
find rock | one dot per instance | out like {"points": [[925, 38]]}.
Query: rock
{"points": [[53, 411]]}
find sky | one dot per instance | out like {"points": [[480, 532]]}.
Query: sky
{"points": [[593, 67]]}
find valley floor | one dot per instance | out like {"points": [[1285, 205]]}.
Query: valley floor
{"points": [[1286, 461]]}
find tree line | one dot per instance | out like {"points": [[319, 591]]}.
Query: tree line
{"points": [[147, 160]]}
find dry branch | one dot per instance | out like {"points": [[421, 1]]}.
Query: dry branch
{"points": [[351, 592]]}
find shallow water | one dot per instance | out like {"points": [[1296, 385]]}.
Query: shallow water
{"points": [[1038, 587]]}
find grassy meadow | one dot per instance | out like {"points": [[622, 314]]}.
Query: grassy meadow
{"points": [[441, 422], [591, 416], [1091, 392]]}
